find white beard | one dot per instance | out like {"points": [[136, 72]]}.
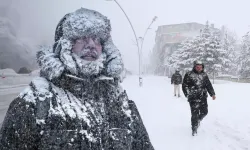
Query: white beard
{"points": [[77, 66], [88, 68]]}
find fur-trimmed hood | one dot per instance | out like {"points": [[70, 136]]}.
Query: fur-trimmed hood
{"points": [[82, 23]]}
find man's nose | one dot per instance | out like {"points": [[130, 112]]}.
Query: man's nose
{"points": [[91, 44]]}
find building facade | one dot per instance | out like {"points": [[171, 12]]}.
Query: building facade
{"points": [[167, 40]]}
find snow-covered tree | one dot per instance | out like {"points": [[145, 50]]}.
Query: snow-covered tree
{"points": [[245, 56], [183, 57], [230, 59], [205, 47], [213, 53]]}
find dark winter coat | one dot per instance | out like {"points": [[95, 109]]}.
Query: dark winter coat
{"points": [[176, 78], [196, 85], [52, 117], [65, 110]]}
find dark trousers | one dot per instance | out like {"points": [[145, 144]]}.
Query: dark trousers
{"points": [[199, 110]]}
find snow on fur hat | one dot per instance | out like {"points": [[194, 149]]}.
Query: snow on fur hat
{"points": [[81, 23]]}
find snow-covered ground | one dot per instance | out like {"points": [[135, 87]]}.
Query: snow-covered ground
{"points": [[167, 119], [14, 80]]}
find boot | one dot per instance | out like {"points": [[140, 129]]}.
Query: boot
{"points": [[194, 131], [179, 95], [199, 122]]}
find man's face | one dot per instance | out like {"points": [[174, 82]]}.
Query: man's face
{"points": [[87, 48], [198, 68]]}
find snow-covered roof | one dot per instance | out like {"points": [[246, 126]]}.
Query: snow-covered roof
{"points": [[8, 72]]}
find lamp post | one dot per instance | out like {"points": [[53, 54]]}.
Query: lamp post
{"points": [[142, 41], [137, 43], [154, 19], [136, 38]]}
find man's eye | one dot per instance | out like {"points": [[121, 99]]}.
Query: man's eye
{"points": [[79, 42]]}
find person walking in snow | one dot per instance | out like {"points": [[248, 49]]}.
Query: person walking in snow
{"points": [[195, 86], [176, 80], [77, 102]]}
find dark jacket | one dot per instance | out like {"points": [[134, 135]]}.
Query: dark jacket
{"points": [[196, 85], [176, 78], [94, 116]]}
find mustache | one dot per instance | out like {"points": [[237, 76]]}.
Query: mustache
{"points": [[88, 53]]}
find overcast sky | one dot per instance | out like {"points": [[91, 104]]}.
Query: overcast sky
{"points": [[39, 18]]}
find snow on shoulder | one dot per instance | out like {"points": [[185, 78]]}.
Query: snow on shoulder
{"points": [[39, 87]]}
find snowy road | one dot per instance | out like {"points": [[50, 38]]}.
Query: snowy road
{"points": [[4, 104], [167, 119], [10, 87], [6, 96]]}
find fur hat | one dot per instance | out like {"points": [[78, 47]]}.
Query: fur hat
{"points": [[81, 23]]}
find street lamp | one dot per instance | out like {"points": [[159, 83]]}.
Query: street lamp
{"points": [[153, 20], [142, 41], [137, 44]]}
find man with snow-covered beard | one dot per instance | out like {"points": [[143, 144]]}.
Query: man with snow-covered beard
{"points": [[196, 85], [77, 102]]}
